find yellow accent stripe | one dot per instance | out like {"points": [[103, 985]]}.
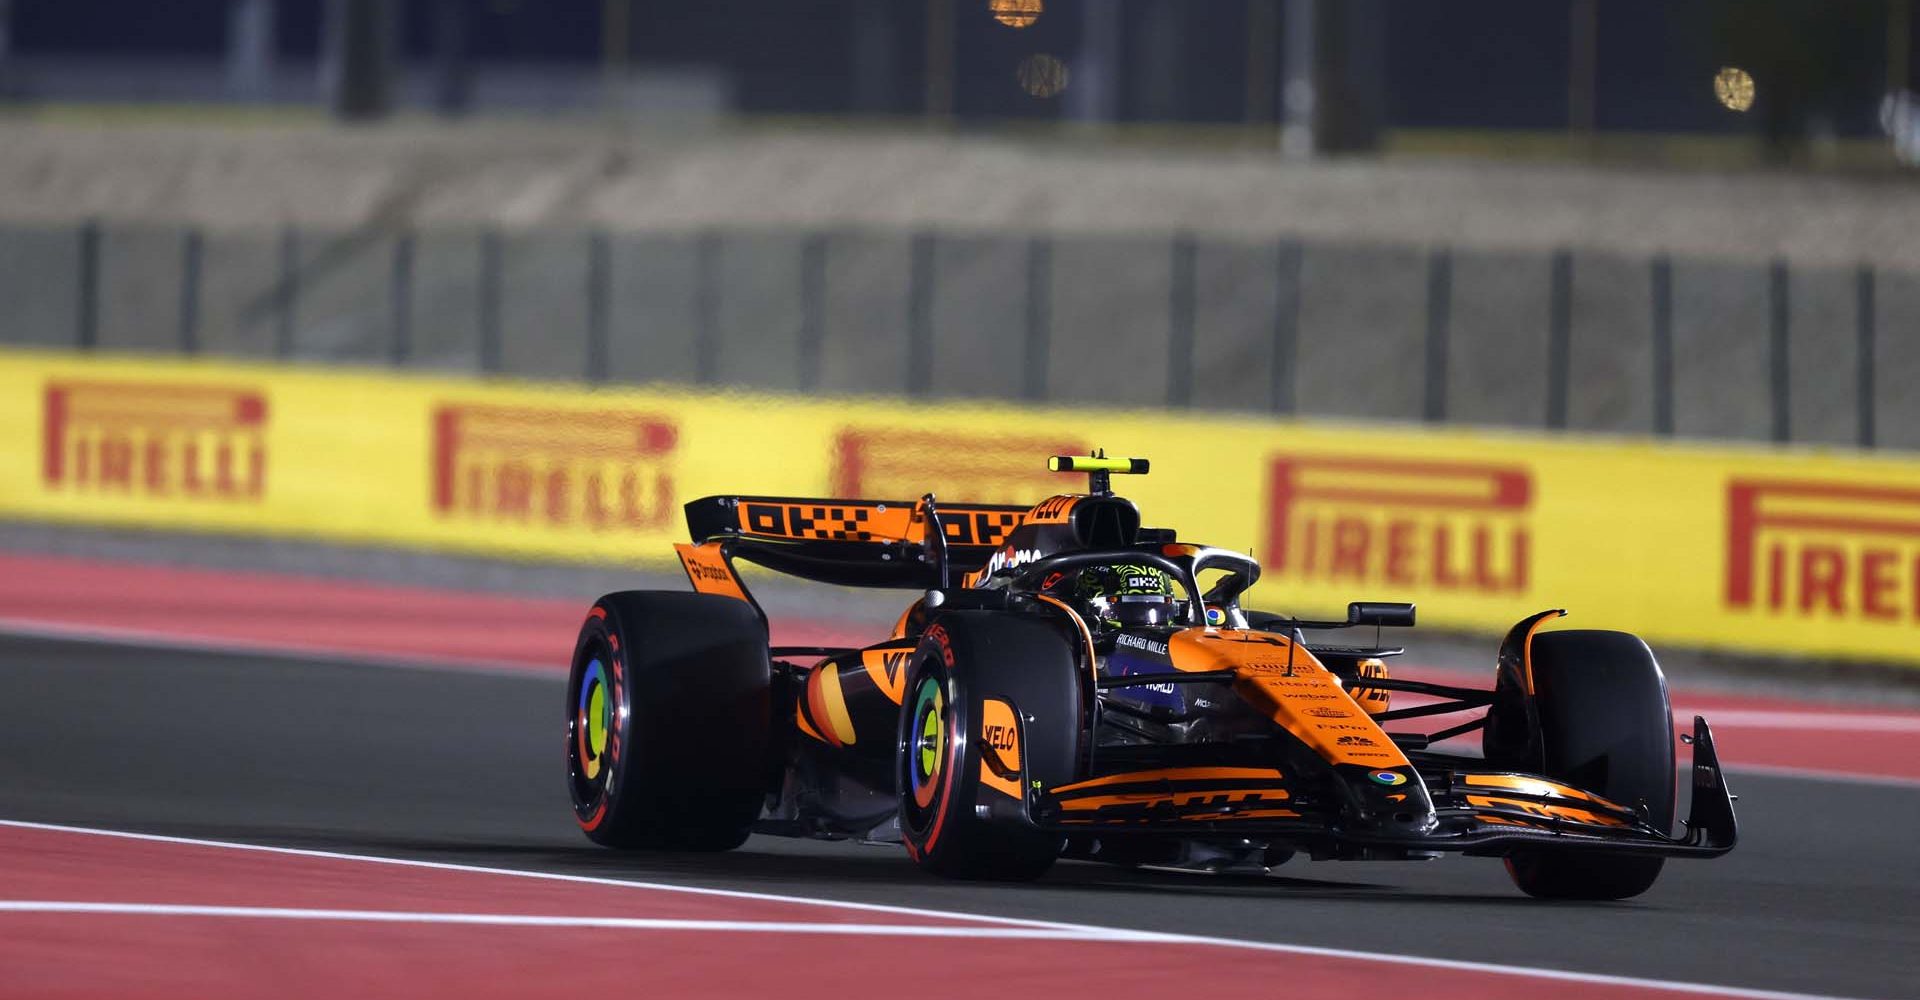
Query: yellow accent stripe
{"points": [[800, 718], [836, 704]]}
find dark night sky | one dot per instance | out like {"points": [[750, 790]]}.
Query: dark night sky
{"points": [[1485, 63]]}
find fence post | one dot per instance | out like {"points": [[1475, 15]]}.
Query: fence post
{"points": [[1180, 320], [286, 298], [706, 308], [87, 332], [813, 308], [1780, 362], [599, 304], [400, 299], [1865, 322], [191, 250], [1290, 258], [1661, 277], [1439, 314], [1559, 339], [490, 301], [920, 317], [1039, 316]]}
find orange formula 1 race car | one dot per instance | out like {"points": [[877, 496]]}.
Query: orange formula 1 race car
{"points": [[1070, 684]]}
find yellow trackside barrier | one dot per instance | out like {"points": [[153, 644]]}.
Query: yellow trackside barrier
{"points": [[1795, 552]]}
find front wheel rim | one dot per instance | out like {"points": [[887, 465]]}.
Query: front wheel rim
{"points": [[926, 749], [591, 723]]}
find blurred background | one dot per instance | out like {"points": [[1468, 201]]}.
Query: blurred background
{"points": [[1632, 218]]}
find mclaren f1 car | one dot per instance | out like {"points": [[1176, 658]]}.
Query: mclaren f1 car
{"points": [[1067, 683]]}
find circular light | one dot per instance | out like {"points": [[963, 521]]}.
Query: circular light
{"points": [[1042, 75], [1016, 13], [1733, 87]]}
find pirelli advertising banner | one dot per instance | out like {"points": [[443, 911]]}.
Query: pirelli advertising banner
{"points": [[1781, 551]]}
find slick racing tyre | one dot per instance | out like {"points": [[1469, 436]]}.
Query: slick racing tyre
{"points": [[992, 705], [1606, 727], [668, 720]]}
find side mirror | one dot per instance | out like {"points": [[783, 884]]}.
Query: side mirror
{"points": [[1380, 614]]}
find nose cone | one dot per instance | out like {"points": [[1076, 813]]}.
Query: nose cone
{"points": [[1389, 800]]}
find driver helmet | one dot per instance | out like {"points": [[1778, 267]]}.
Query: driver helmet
{"points": [[1125, 594]]}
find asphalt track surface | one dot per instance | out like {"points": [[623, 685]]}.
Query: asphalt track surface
{"points": [[1822, 896]]}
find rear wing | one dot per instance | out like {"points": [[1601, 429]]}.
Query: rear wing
{"points": [[854, 543]]}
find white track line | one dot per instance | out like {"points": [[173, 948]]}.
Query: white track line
{"points": [[1487, 968], [610, 923]]}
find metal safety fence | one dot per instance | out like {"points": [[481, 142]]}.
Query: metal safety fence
{"points": [[1567, 339]]}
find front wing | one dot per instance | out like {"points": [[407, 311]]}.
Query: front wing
{"points": [[1476, 812]]}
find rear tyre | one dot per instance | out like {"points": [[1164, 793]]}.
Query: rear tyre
{"points": [[1606, 726], [668, 720], [959, 816]]}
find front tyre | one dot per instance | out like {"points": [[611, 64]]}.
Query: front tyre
{"points": [[1605, 726], [668, 721], [993, 703]]}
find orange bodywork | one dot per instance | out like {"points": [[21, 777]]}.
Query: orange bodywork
{"points": [[1294, 689], [1527, 647], [1536, 786], [828, 705], [1374, 699], [1174, 774], [1259, 793], [1184, 800], [888, 668], [999, 737], [1547, 810], [707, 568]]}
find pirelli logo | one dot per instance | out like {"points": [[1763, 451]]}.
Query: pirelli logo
{"points": [[1823, 550], [882, 462], [190, 442], [607, 470], [1419, 525]]}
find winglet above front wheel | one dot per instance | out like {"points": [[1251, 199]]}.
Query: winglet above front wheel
{"points": [[1710, 821]]}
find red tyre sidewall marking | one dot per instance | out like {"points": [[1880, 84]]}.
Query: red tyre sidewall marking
{"points": [[954, 741], [616, 742]]}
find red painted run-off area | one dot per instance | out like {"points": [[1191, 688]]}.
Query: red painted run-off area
{"points": [[89, 915], [274, 612]]}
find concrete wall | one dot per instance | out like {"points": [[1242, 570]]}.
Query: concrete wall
{"points": [[1359, 330]]}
